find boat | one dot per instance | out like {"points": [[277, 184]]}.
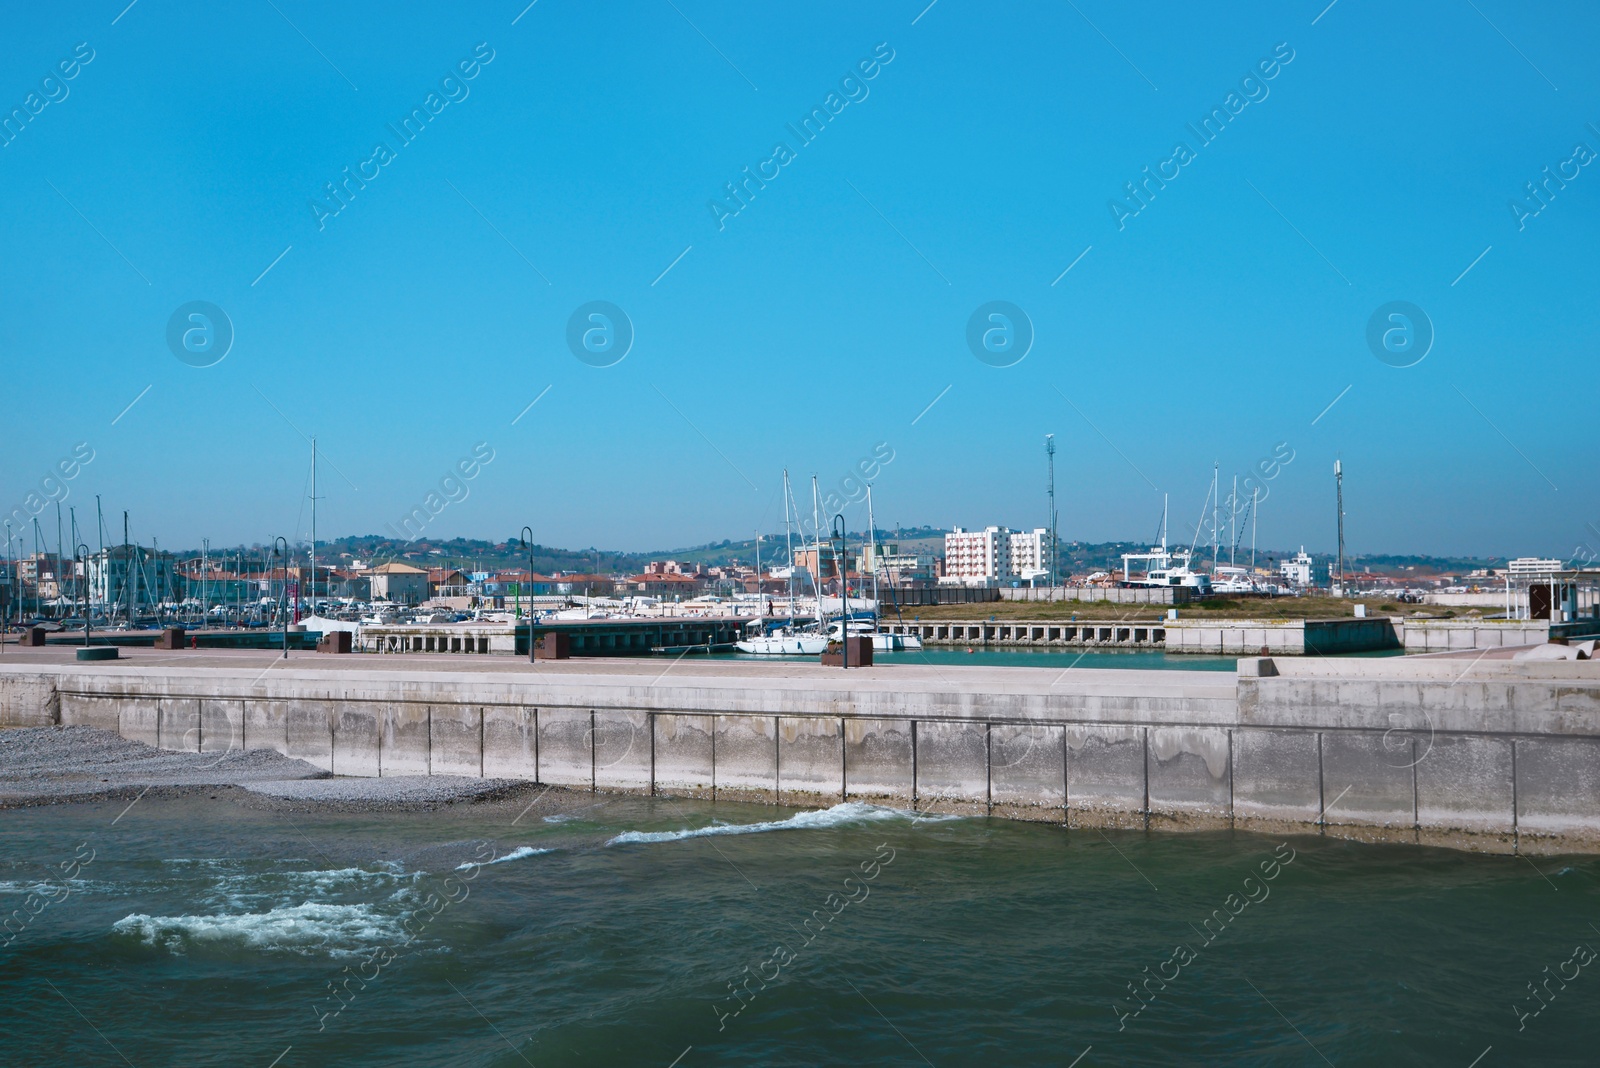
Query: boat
{"points": [[882, 641], [785, 639], [1164, 567]]}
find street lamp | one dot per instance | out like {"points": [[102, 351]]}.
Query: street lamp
{"points": [[527, 543], [82, 552], [284, 610], [844, 591]]}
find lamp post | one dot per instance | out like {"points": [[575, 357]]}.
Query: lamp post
{"points": [[284, 610], [527, 543], [844, 591], [82, 551]]}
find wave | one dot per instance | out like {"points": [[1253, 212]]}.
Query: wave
{"points": [[850, 812], [307, 930], [516, 854]]}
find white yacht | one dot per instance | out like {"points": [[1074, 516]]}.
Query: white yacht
{"points": [[882, 642]]}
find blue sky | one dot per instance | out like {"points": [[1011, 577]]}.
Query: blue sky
{"points": [[818, 323]]}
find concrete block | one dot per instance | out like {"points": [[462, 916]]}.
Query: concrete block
{"points": [[877, 760], [79, 710], [140, 720], [29, 701], [181, 724], [1027, 771], [810, 760], [1190, 773], [566, 737], [309, 732], [357, 731], [455, 738], [403, 749], [953, 766], [1558, 787], [510, 743], [622, 750], [1463, 783], [683, 746], [1275, 777], [221, 725], [1367, 779], [266, 726], [747, 757], [1105, 776]]}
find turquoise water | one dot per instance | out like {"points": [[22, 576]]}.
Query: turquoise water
{"points": [[196, 932], [978, 656]]}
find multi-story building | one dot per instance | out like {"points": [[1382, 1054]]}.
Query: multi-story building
{"points": [[993, 555], [1297, 571]]}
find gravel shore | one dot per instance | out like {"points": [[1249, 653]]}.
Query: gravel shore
{"points": [[55, 765]]}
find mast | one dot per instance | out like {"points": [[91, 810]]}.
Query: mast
{"points": [[1216, 503], [1163, 524], [1233, 514], [788, 543], [127, 565], [313, 524], [872, 547], [1255, 519], [58, 556], [816, 542]]}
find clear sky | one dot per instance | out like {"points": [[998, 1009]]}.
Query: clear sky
{"points": [[968, 153]]}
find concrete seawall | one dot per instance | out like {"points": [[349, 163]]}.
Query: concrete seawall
{"points": [[1486, 754]]}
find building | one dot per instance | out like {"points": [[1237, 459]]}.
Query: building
{"points": [[399, 583], [1297, 571], [129, 579], [898, 568], [994, 555]]}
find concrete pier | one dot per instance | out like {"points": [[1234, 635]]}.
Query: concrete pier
{"points": [[1477, 753]]}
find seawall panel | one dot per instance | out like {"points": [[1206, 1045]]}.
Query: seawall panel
{"points": [[747, 757], [622, 751], [1106, 770], [1027, 771], [685, 754], [878, 761], [810, 760], [953, 766], [510, 742], [455, 740], [566, 736]]}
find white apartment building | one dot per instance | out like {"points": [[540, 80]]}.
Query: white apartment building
{"points": [[994, 554], [1297, 571]]}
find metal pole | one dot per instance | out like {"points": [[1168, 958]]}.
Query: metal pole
{"points": [[283, 596], [84, 549], [527, 543]]}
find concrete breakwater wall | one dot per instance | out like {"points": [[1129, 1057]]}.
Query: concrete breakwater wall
{"points": [[1487, 755]]}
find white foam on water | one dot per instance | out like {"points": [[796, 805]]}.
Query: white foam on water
{"points": [[310, 929], [516, 854], [851, 812], [248, 890]]}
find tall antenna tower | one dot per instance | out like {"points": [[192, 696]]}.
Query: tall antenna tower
{"points": [[1050, 451], [1338, 481]]}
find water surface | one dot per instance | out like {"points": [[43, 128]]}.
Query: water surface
{"points": [[654, 932]]}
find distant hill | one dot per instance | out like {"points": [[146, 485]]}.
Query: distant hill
{"points": [[1077, 558]]}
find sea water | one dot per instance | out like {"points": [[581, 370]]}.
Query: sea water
{"points": [[640, 931]]}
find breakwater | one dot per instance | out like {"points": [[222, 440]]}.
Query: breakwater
{"points": [[1486, 754]]}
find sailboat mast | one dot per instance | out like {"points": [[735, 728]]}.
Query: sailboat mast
{"points": [[788, 542], [1216, 503], [313, 525], [872, 548], [1255, 519], [1233, 513]]}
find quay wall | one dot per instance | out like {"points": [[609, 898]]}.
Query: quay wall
{"points": [[1491, 755]]}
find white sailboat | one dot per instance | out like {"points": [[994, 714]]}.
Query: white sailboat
{"points": [[787, 640]]}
